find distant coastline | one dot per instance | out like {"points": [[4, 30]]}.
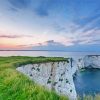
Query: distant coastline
{"points": [[51, 50], [34, 50]]}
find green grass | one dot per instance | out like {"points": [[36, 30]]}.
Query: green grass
{"points": [[16, 86], [18, 60]]}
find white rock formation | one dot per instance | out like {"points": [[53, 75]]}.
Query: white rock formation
{"points": [[89, 61], [56, 76], [92, 61]]}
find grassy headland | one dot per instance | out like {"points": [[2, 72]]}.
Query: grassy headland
{"points": [[16, 86]]}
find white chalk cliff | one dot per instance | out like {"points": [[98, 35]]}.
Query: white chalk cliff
{"points": [[58, 76]]}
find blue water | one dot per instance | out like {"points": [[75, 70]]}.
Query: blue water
{"points": [[87, 82], [47, 53]]}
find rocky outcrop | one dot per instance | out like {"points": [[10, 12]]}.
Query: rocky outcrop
{"points": [[89, 61], [56, 76], [92, 61]]}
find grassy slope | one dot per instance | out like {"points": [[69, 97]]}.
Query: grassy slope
{"points": [[16, 86]]}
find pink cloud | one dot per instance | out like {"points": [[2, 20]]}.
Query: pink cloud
{"points": [[14, 36]]}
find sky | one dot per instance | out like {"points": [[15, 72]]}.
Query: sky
{"points": [[72, 25]]}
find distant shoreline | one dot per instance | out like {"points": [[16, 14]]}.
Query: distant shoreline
{"points": [[34, 50], [50, 50]]}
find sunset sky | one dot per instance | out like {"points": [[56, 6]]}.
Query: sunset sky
{"points": [[50, 24]]}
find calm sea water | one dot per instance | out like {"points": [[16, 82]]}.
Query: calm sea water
{"points": [[87, 82], [47, 53]]}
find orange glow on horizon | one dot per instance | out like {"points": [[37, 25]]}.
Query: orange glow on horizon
{"points": [[5, 46]]}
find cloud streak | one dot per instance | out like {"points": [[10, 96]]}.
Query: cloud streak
{"points": [[19, 4], [15, 36], [10, 36]]}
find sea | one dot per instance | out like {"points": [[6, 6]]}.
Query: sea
{"points": [[47, 53]]}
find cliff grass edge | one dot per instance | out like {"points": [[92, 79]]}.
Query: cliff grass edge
{"points": [[16, 86]]}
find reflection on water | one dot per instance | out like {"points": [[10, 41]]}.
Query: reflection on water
{"points": [[87, 82]]}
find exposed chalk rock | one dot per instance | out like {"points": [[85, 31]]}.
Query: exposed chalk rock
{"points": [[92, 61], [56, 76]]}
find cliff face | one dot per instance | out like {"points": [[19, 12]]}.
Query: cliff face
{"points": [[56, 76], [92, 61], [89, 61]]}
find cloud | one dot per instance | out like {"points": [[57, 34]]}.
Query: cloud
{"points": [[19, 4], [12, 47], [40, 7], [47, 7], [14, 36], [41, 11], [9, 36], [48, 45], [52, 45], [65, 23], [87, 34]]}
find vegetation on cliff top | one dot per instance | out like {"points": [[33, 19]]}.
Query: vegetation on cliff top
{"points": [[16, 86], [22, 60]]}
